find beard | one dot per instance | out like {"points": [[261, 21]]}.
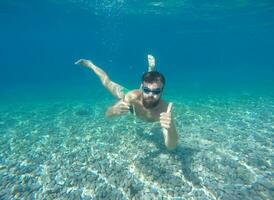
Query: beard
{"points": [[150, 102]]}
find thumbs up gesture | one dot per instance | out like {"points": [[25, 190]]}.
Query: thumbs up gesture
{"points": [[165, 118]]}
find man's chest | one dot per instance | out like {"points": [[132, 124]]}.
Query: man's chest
{"points": [[145, 114]]}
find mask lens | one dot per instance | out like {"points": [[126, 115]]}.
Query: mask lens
{"points": [[156, 91], [146, 90]]}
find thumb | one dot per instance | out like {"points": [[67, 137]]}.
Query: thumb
{"points": [[169, 107]]}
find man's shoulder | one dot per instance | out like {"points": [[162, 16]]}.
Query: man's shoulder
{"points": [[132, 95], [135, 91]]}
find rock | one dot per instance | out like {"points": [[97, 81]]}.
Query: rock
{"points": [[2, 167], [75, 194], [55, 189], [154, 189], [86, 197], [265, 182], [186, 189], [19, 189]]}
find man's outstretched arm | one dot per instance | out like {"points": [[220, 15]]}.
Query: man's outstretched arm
{"points": [[114, 88]]}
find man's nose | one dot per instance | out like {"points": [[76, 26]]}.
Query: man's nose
{"points": [[151, 94]]}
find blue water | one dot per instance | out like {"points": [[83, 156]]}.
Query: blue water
{"points": [[217, 57], [41, 41]]}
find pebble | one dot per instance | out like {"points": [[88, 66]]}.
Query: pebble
{"points": [[55, 189], [186, 189], [154, 190], [86, 197], [2, 167], [16, 181], [19, 189], [265, 182]]}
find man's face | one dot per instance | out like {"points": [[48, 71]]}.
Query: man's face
{"points": [[151, 93]]}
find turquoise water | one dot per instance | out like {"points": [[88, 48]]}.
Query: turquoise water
{"points": [[56, 142]]}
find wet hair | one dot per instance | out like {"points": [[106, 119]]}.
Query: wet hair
{"points": [[153, 76]]}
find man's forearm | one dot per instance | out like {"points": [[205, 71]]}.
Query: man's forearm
{"points": [[171, 139]]}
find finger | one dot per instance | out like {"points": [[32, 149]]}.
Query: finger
{"points": [[78, 61], [125, 103], [165, 117], [166, 126], [124, 108], [123, 111], [165, 114], [169, 107], [165, 120]]}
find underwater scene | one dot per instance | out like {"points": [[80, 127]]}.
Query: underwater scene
{"points": [[136, 99]]}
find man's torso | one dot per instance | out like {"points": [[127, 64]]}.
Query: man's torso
{"points": [[134, 97]]}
